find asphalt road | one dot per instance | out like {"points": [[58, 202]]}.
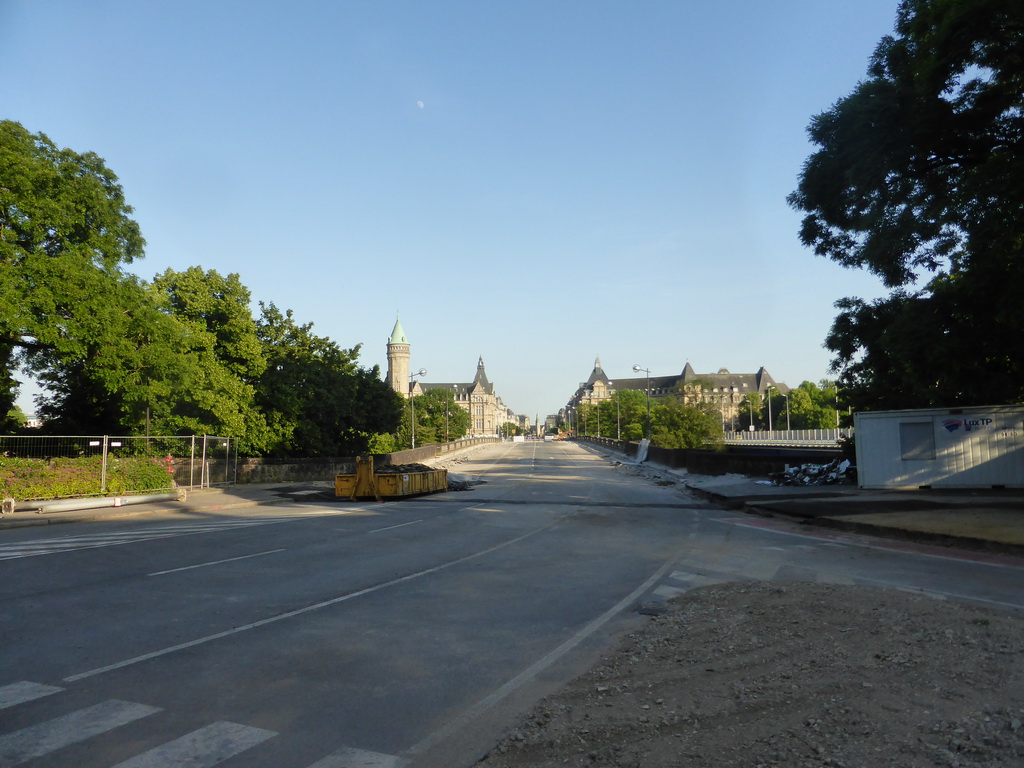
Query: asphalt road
{"points": [[327, 634]]}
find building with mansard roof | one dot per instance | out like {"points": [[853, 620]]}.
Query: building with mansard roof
{"points": [[487, 413], [724, 390]]}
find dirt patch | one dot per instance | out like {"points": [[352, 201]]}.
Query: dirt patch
{"points": [[804, 675]]}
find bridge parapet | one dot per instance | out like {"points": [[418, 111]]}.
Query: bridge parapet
{"points": [[816, 438]]}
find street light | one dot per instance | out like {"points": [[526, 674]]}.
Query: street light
{"points": [[412, 404], [447, 410], [787, 412], [637, 369], [618, 414], [768, 397]]}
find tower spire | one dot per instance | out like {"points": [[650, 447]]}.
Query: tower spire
{"points": [[398, 359]]}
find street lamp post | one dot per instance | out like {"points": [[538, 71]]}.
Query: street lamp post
{"points": [[618, 415], [412, 404], [637, 369], [768, 397], [787, 412]]}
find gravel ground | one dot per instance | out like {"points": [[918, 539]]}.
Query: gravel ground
{"points": [[800, 675]]}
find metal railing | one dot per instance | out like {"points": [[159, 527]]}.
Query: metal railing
{"points": [[797, 437], [62, 466]]}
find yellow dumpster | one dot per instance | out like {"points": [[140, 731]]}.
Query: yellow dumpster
{"points": [[388, 481]]}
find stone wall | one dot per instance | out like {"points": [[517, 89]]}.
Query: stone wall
{"points": [[306, 470]]}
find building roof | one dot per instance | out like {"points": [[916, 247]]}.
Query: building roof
{"points": [[398, 334], [722, 381], [481, 378], [596, 375], [463, 389]]}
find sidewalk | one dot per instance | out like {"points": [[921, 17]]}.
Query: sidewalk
{"points": [[989, 519], [207, 500], [203, 501]]}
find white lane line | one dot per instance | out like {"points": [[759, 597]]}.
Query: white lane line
{"points": [[135, 536], [38, 740], [202, 748], [300, 611], [349, 758], [18, 693], [470, 714], [215, 562], [392, 527]]}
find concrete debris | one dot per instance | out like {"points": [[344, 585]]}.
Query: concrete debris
{"points": [[836, 472], [460, 482], [401, 469]]}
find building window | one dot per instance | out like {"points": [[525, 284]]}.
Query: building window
{"points": [[917, 441]]}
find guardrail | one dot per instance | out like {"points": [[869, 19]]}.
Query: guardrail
{"points": [[811, 438]]}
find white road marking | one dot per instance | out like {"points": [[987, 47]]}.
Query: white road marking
{"points": [[215, 562], [38, 740], [18, 693], [470, 714], [150, 533], [358, 758], [392, 527], [300, 611], [202, 748]]}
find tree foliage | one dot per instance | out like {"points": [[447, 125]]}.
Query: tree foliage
{"points": [[438, 417], [675, 425], [315, 398], [917, 179], [183, 354], [810, 406], [66, 234]]}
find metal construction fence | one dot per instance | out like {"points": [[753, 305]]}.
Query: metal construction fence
{"points": [[60, 466]]}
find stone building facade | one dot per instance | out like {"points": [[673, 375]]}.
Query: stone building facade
{"points": [[487, 413], [724, 390]]}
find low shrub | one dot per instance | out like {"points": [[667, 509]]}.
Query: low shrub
{"points": [[62, 478]]}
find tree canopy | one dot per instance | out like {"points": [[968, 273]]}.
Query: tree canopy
{"points": [[917, 179], [66, 233], [183, 354], [674, 425], [438, 418]]}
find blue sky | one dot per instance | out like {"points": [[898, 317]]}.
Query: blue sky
{"points": [[539, 183]]}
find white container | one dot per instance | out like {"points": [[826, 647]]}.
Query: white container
{"points": [[980, 447]]}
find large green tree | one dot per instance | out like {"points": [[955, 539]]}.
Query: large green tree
{"points": [[314, 397], [216, 384], [917, 179], [675, 425], [809, 406], [438, 413], [66, 234]]}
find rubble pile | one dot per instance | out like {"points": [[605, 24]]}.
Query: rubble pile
{"points": [[834, 473], [401, 469]]}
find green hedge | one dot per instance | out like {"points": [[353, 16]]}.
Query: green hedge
{"points": [[35, 479]]}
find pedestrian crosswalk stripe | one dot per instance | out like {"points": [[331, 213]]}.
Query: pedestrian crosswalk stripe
{"points": [[18, 693], [202, 748], [38, 740], [359, 758]]}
